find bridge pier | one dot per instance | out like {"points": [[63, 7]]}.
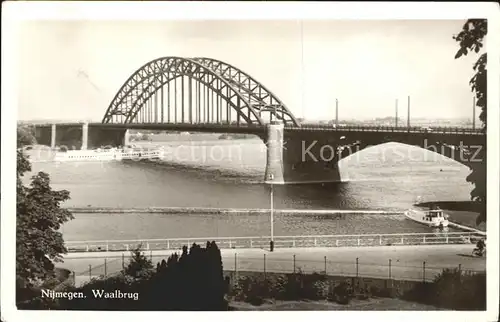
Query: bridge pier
{"points": [[53, 135], [301, 157], [126, 138], [85, 136], [274, 158]]}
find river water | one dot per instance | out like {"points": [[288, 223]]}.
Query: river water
{"points": [[229, 174]]}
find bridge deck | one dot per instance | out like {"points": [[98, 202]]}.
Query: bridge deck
{"points": [[258, 128]]}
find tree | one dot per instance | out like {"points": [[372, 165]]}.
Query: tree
{"points": [[139, 265], [471, 39], [39, 244], [25, 136]]}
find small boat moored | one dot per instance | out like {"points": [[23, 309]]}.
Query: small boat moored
{"points": [[431, 218]]}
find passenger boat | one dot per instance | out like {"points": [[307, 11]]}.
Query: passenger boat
{"points": [[110, 154], [431, 218]]}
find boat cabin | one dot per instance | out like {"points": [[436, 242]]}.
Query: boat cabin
{"points": [[434, 215]]}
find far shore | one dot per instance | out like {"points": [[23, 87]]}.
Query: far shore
{"points": [[183, 136]]}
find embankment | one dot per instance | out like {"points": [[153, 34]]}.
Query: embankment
{"points": [[217, 211], [466, 228], [335, 213]]}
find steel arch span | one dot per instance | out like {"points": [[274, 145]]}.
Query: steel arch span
{"points": [[195, 90]]}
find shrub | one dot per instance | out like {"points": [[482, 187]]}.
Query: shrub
{"points": [[239, 289], [253, 290], [362, 291], [320, 290], [461, 291], [379, 291], [139, 265], [278, 287], [452, 289], [287, 287], [342, 293], [293, 287]]}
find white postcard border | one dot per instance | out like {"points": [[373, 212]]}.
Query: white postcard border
{"points": [[14, 12]]}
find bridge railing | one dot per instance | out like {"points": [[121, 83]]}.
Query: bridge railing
{"points": [[375, 128], [309, 126], [279, 241]]}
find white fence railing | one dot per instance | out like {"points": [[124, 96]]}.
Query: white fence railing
{"points": [[279, 241]]}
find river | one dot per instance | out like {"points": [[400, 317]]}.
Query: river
{"points": [[229, 173]]}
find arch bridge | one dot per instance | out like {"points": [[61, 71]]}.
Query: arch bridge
{"points": [[195, 91], [207, 95]]}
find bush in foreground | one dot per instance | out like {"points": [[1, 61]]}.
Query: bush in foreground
{"points": [[452, 289], [286, 287]]}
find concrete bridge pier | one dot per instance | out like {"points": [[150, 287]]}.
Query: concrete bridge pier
{"points": [[274, 161], [301, 157], [85, 136], [126, 138], [53, 135]]}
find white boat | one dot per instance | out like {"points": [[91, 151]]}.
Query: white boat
{"points": [[431, 218], [112, 154]]}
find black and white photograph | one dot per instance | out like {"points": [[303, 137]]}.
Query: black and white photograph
{"points": [[232, 159]]}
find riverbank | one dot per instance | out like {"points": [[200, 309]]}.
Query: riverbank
{"points": [[232, 211], [194, 137], [123, 223]]}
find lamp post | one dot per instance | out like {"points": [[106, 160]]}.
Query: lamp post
{"points": [[271, 244], [336, 113], [396, 119], [408, 120], [474, 113]]}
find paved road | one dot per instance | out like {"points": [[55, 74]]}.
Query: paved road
{"points": [[407, 262]]}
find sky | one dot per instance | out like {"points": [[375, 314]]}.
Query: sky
{"points": [[71, 70]]}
